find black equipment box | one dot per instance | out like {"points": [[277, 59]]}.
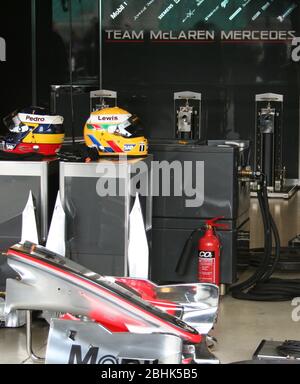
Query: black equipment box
{"points": [[73, 103], [221, 194]]}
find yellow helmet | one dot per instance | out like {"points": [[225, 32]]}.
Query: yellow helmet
{"points": [[115, 132]]}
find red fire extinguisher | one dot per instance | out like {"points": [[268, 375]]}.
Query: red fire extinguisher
{"points": [[209, 247]]}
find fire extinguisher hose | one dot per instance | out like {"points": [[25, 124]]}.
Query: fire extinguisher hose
{"points": [[187, 253]]}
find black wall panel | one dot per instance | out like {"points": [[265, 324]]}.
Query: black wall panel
{"points": [[15, 72], [147, 72]]}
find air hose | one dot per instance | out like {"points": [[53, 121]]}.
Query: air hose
{"points": [[289, 258], [261, 286]]}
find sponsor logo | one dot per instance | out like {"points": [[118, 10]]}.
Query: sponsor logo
{"points": [[93, 356], [129, 147], [35, 119], [10, 147], [166, 11], [119, 10], [24, 148]]}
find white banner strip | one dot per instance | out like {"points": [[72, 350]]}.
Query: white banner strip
{"points": [[108, 119], [40, 119]]}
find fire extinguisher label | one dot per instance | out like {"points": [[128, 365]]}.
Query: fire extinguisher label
{"points": [[207, 270], [206, 254]]}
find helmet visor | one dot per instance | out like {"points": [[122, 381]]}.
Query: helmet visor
{"points": [[14, 137], [17, 130], [134, 128], [12, 121]]}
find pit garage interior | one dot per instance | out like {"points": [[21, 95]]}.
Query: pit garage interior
{"points": [[149, 182]]}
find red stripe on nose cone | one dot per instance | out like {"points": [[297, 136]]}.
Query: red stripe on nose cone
{"points": [[185, 334], [115, 147]]}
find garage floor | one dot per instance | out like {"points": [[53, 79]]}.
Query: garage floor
{"points": [[241, 325]]}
